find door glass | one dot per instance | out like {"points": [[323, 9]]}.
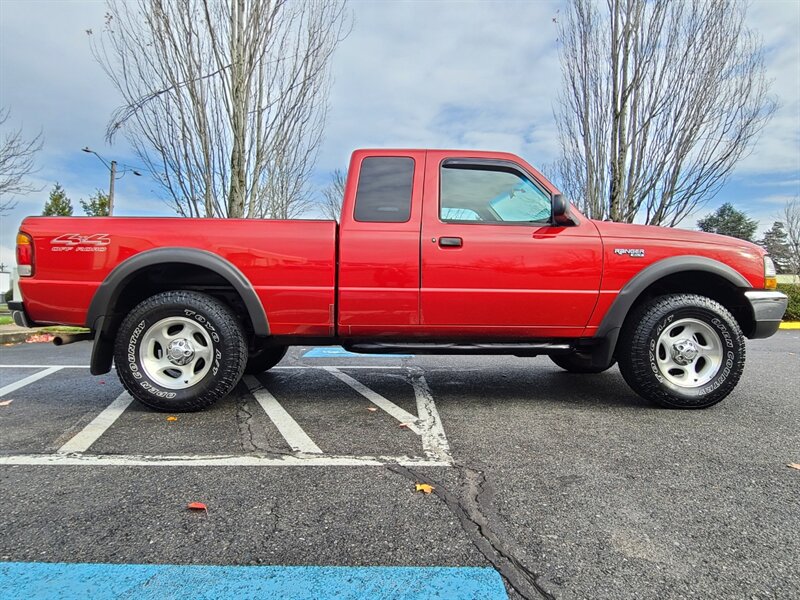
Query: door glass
{"points": [[490, 194]]}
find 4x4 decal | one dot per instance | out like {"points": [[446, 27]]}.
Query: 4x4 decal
{"points": [[95, 242]]}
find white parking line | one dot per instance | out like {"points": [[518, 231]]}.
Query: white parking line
{"points": [[427, 424], [434, 440], [273, 368], [289, 460], [44, 366], [12, 387], [89, 434], [294, 435], [378, 400]]}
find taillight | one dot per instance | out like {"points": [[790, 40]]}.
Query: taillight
{"points": [[24, 254]]}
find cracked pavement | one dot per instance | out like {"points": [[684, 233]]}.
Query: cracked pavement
{"points": [[571, 486]]}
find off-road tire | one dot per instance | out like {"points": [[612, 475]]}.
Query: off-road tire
{"points": [[228, 350], [637, 350], [578, 363], [264, 358]]}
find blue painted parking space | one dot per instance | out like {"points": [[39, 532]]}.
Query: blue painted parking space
{"points": [[339, 352], [21, 580]]}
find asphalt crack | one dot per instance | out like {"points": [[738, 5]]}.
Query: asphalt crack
{"points": [[253, 438], [244, 420], [470, 509]]}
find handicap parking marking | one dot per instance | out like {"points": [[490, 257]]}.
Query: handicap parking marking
{"points": [[339, 352], [21, 581]]}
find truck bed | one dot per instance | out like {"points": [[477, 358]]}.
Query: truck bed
{"points": [[75, 254]]}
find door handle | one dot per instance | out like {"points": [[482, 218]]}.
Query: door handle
{"points": [[450, 242]]}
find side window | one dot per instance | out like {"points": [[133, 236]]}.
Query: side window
{"points": [[384, 190], [490, 194]]}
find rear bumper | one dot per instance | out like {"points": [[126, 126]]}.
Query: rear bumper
{"points": [[768, 309], [19, 315]]}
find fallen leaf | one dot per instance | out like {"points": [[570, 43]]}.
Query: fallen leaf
{"points": [[424, 488], [404, 425], [6, 402], [197, 506], [40, 338], [794, 466], [172, 418], [371, 409]]}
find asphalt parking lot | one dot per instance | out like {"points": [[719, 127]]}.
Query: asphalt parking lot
{"points": [[569, 486]]}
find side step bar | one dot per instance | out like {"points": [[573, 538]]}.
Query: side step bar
{"points": [[456, 348]]}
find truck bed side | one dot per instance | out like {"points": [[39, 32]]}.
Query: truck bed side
{"points": [[290, 264]]}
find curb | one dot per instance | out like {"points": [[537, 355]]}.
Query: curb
{"points": [[790, 325], [16, 337]]}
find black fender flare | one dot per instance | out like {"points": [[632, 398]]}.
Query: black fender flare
{"points": [[609, 328], [99, 317]]}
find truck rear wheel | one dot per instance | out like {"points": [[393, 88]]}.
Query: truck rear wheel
{"points": [[682, 351], [180, 351]]}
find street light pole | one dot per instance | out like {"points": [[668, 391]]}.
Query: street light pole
{"points": [[111, 188], [113, 169]]}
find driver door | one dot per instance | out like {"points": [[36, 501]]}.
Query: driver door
{"points": [[493, 264]]}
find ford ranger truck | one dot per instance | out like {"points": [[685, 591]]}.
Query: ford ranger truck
{"points": [[437, 252]]}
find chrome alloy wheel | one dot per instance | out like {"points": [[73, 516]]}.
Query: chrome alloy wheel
{"points": [[176, 353], [689, 353]]}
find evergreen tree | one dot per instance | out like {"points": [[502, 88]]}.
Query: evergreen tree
{"points": [[776, 242], [726, 220], [58, 205], [97, 206]]}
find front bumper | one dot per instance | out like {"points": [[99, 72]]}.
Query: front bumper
{"points": [[768, 308]]}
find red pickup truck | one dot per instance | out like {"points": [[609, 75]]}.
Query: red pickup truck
{"points": [[438, 252]]}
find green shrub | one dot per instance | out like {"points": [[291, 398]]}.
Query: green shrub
{"points": [[793, 310]]}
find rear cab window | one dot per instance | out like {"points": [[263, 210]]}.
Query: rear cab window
{"points": [[384, 190]]}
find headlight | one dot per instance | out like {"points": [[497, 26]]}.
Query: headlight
{"points": [[770, 274]]}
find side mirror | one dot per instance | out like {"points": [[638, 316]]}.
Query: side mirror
{"points": [[561, 214]]}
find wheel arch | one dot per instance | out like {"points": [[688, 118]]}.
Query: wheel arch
{"points": [[164, 269], [679, 274]]}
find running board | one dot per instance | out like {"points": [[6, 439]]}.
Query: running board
{"points": [[513, 349]]}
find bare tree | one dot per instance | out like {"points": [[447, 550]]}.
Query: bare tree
{"points": [[333, 195], [16, 162], [224, 100], [660, 100], [791, 218]]}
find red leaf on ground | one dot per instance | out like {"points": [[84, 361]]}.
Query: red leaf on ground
{"points": [[40, 338], [197, 506]]}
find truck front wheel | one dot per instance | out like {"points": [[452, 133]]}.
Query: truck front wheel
{"points": [[180, 351], [682, 351]]}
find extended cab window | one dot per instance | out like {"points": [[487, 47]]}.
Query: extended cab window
{"points": [[490, 194], [384, 190]]}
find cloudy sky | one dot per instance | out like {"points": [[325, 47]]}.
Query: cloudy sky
{"points": [[458, 74]]}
